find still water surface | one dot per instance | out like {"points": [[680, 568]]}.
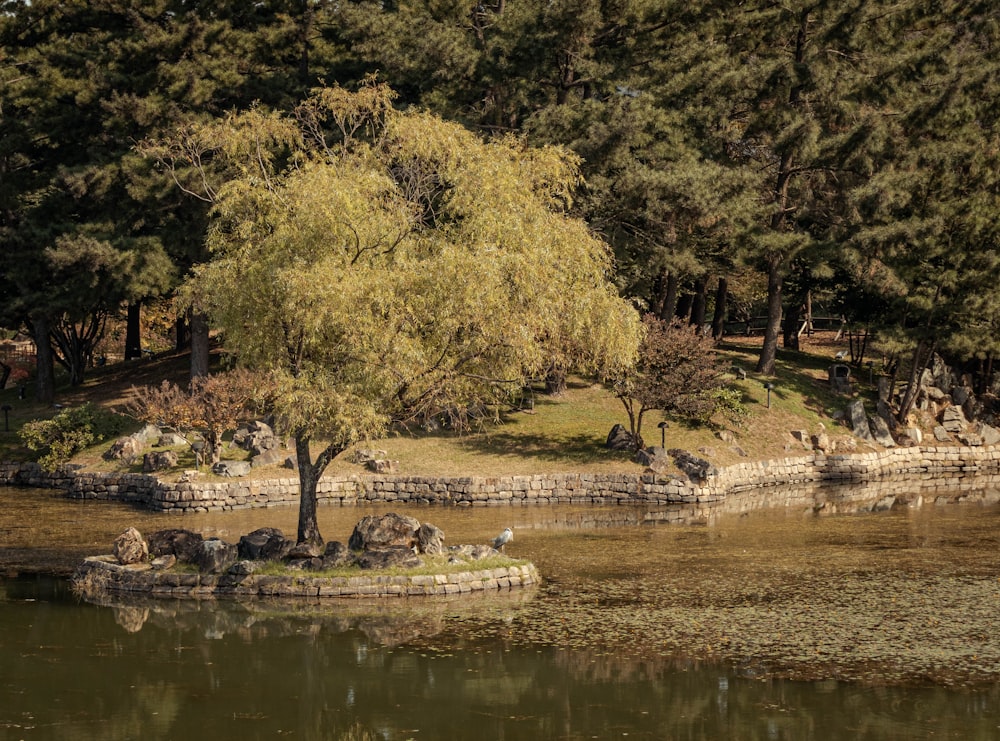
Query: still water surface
{"points": [[695, 631]]}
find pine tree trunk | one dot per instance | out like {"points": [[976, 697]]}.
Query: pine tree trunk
{"points": [[791, 333], [669, 307], [699, 304], [769, 350], [133, 332], [719, 316], [199, 345], [182, 338], [684, 307], [45, 373]]}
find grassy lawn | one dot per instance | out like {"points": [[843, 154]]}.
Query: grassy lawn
{"points": [[559, 434]]}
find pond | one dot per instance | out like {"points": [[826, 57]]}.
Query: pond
{"points": [[773, 624]]}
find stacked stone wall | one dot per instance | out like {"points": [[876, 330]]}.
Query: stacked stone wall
{"points": [[910, 465], [103, 574]]}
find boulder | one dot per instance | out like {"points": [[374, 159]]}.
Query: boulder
{"points": [[859, 420], [655, 459], [821, 441], [216, 556], [125, 449], [619, 439], [430, 539], [914, 435], [130, 547], [697, 469], [473, 552], [990, 434], [162, 563], [726, 436], [147, 434], [264, 544], [941, 434], [306, 550], [384, 531], [170, 440], [336, 555], [960, 395], [881, 432], [183, 544], [970, 438], [361, 456], [383, 465], [272, 457], [953, 419], [390, 557], [159, 460], [232, 469]]}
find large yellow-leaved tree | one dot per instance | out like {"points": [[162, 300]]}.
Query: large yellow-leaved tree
{"points": [[382, 265]]}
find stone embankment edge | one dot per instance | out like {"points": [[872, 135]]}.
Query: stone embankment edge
{"points": [[639, 488], [104, 574]]}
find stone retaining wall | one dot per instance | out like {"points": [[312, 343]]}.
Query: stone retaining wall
{"points": [[104, 574], [646, 488]]}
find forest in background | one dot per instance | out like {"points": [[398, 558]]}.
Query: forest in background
{"points": [[741, 160]]}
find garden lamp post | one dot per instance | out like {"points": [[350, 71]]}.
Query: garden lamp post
{"points": [[769, 386], [663, 433], [871, 365]]}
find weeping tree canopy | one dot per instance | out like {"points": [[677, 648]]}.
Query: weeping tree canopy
{"points": [[384, 265]]}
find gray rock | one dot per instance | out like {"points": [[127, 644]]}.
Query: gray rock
{"points": [[125, 449], [654, 459], [914, 435], [881, 432], [934, 393], [970, 438], [474, 552], [384, 531], [619, 439], [859, 420], [170, 440], [727, 436], [990, 434], [216, 556], [183, 544], [960, 395], [159, 460], [162, 563], [232, 469], [130, 547], [272, 457], [953, 419], [336, 555], [147, 434], [244, 568], [383, 466], [430, 539], [738, 450], [390, 557], [697, 469], [361, 456], [306, 550], [941, 434], [821, 441], [265, 544]]}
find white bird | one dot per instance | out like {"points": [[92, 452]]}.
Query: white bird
{"points": [[503, 539]]}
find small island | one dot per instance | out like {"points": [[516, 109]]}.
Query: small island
{"points": [[387, 556]]}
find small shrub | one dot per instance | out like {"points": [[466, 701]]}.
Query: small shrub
{"points": [[65, 435]]}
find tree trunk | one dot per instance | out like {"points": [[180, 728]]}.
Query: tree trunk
{"points": [[791, 333], [555, 381], [45, 371], [699, 304], [719, 316], [769, 350], [309, 473], [182, 337], [133, 332], [684, 307], [669, 307], [199, 344], [917, 366]]}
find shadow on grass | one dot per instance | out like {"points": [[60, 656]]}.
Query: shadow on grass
{"points": [[577, 449]]}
